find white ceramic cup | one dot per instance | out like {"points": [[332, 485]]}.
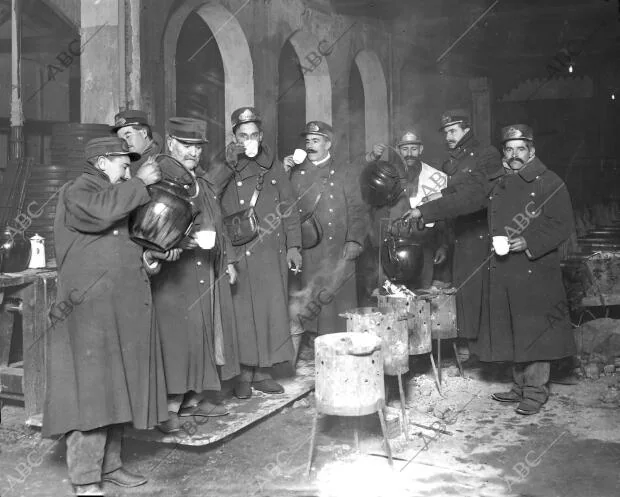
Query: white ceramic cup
{"points": [[501, 245], [299, 156], [251, 148], [205, 239]]}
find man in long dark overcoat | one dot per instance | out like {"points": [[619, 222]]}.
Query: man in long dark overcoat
{"points": [[528, 311], [192, 296], [104, 359], [329, 190], [133, 127], [468, 168], [260, 296]]}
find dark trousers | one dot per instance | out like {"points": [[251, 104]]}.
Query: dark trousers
{"points": [[90, 454], [530, 380]]}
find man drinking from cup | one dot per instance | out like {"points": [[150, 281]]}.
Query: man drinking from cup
{"points": [[193, 302], [530, 215], [333, 230], [260, 191]]}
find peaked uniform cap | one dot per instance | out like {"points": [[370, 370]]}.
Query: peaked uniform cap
{"points": [[245, 115], [129, 117], [318, 128], [187, 129], [411, 136], [454, 116], [517, 132]]}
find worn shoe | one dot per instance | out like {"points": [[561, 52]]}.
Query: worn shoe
{"points": [[94, 489], [205, 409], [243, 390], [527, 407], [171, 425], [510, 396], [268, 386], [124, 478]]}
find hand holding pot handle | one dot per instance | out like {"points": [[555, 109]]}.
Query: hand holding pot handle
{"points": [[149, 172]]}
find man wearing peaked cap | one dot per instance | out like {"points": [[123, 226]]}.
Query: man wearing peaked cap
{"points": [[133, 127], [468, 167], [417, 181], [259, 182], [105, 365], [333, 230], [529, 206], [184, 290]]}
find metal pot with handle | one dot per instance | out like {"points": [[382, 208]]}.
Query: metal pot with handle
{"points": [[164, 221]]}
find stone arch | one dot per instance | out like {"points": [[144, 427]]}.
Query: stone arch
{"points": [[375, 97], [234, 49], [316, 75]]}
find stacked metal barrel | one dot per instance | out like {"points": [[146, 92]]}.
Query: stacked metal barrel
{"points": [[68, 141]]}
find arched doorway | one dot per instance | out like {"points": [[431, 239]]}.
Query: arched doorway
{"points": [[357, 115], [376, 116], [224, 31], [200, 83], [305, 92]]}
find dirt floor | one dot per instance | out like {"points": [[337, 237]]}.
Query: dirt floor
{"points": [[482, 448]]}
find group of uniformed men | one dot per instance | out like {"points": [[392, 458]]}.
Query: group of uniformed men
{"points": [[157, 331]]}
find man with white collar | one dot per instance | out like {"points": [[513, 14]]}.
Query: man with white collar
{"points": [[333, 220]]}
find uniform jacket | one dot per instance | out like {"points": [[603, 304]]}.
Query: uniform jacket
{"points": [[104, 359], [528, 308], [464, 199], [193, 305], [342, 215], [260, 296]]}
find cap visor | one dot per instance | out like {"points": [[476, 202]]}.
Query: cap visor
{"points": [[190, 141], [315, 133]]}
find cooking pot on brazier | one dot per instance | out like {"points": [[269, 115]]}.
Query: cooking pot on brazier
{"points": [[164, 221], [402, 259]]}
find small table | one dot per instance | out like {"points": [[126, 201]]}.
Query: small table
{"points": [[29, 295]]}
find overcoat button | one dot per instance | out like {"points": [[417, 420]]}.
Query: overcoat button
{"points": [[480, 237], [332, 172], [331, 210], [239, 183], [248, 253], [202, 282], [273, 181], [303, 172], [199, 263], [242, 201], [331, 196], [331, 184], [115, 232], [529, 271], [533, 194], [329, 224], [331, 237]]}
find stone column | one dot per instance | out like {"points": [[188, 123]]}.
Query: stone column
{"points": [[130, 79], [16, 150], [481, 109], [100, 62]]}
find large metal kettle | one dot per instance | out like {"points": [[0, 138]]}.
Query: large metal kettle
{"points": [[164, 221], [402, 259]]}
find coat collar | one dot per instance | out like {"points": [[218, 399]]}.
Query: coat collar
{"points": [[264, 159], [468, 142], [529, 173]]}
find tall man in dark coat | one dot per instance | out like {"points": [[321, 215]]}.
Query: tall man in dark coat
{"points": [[529, 322], [104, 359], [327, 189], [192, 297], [418, 180], [260, 296], [468, 168], [133, 127]]}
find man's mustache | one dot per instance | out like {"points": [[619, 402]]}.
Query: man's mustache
{"points": [[515, 159]]}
